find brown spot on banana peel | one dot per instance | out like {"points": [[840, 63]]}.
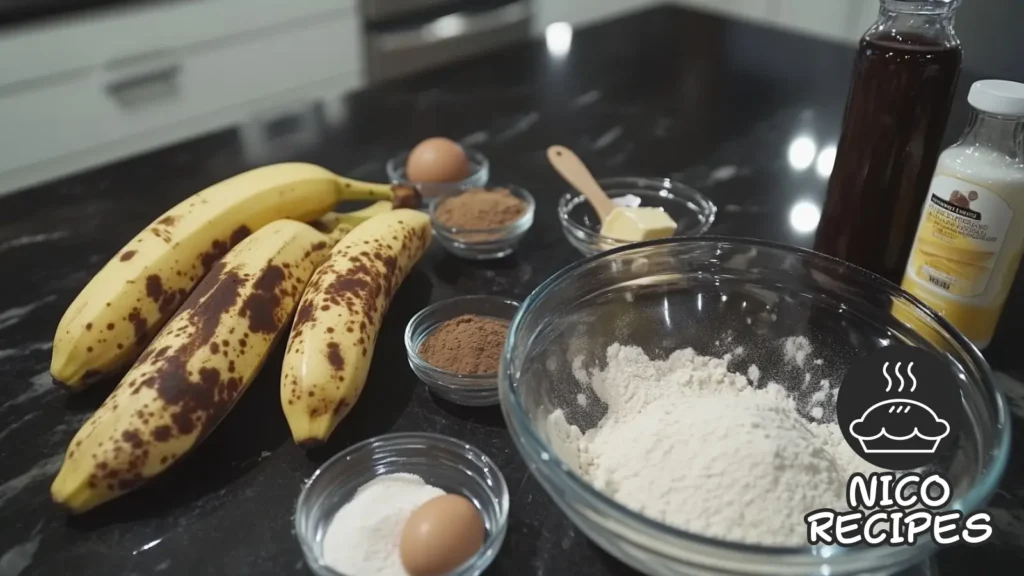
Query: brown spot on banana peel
{"points": [[220, 247], [166, 300], [140, 326], [261, 307], [217, 250], [239, 234], [128, 255], [162, 433], [132, 438], [154, 288], [161, 233], [334, 357], [171, 300]]}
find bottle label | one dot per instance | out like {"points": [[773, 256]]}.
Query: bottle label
{"points": [[962, 229]]}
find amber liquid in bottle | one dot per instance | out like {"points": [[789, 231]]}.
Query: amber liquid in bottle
{"points": [[895, 117]]}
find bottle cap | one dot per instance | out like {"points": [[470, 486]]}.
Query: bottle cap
{"points": [[997, 97]]}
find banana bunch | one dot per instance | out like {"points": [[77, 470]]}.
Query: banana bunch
{"points": [[116, 315], [197, 367], [335, 329]]}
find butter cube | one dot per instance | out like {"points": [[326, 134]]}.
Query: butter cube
{"points": [[638, 224]]}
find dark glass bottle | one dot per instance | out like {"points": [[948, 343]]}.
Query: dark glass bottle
{"points": [[904, 80]]}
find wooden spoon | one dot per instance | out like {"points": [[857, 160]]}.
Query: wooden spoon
{"points": [[575, 172]]}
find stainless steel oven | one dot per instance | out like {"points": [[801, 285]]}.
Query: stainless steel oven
{"points": [[408, 36]]}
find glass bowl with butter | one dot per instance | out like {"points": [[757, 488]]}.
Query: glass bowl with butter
{"points": [[691, 211]]}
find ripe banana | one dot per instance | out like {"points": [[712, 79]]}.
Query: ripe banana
{"points": [[110, 322], [335, 328], [195, 369]]}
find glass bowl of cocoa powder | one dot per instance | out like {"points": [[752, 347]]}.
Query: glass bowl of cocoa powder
{"points": [[482, 223], [455, 347]]}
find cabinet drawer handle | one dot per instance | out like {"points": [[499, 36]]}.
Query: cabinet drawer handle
{"points": [[145, 87], [452, 26]]}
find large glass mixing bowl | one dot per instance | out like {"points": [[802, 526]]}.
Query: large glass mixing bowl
{"points": [[715, 295]]}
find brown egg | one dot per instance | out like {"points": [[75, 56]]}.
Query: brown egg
{"points": [[440, 535], [437, 160]]}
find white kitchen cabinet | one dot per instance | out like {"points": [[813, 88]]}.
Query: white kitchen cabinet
{"points": [[62, 45], [147, 78], [583, 12]]}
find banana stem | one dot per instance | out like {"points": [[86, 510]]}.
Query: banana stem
{"points": [[339, 232], [400, 195], [337, 224], [333, 225]]}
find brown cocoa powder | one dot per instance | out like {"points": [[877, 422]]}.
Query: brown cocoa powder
{"points": [[467, 344], [479, 209]]}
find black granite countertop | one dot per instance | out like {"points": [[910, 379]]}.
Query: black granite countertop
{"points": [[710, 102]]}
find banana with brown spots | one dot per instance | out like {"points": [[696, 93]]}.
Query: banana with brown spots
{"points": [[195, 369], [114, 317], [336, 325]]}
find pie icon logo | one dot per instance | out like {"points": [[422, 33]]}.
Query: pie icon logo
{"points": [[899, 427], [899, 408]]}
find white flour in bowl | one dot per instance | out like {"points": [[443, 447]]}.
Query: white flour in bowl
{"points": [[690, 444]]}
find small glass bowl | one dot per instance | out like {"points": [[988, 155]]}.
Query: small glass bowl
{"points": [[447, 463], [464, 389], [691, 210], [479, 172], [483, 243]]}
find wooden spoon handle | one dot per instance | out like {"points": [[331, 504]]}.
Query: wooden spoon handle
{"points": [[575, 172]]}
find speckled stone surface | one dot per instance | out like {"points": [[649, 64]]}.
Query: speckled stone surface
{"points": [[709, 102]]}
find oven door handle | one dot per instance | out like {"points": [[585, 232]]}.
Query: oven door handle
{"points": [[455, 25]]}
